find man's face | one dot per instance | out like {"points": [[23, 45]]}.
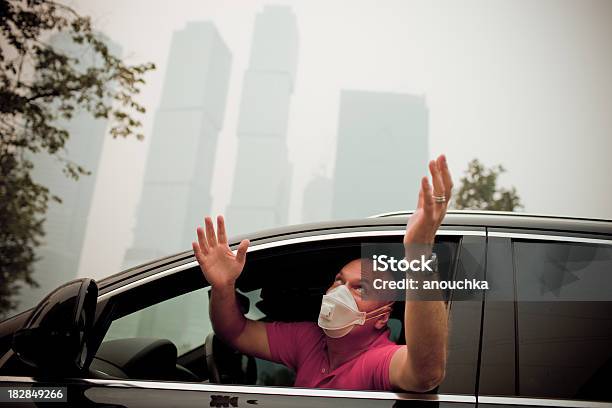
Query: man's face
{"points": [[350, 275]]}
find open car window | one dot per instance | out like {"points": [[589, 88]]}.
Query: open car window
{"points": [[283, 283]]}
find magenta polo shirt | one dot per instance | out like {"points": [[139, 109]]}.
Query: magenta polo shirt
{"points": [[302, 347]]}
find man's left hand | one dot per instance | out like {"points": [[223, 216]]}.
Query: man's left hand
{"points": [[432, 204]]}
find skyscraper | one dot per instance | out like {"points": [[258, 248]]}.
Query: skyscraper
{"points": [[317, 201], [382, 153], [260, 194], [179, 169], [66, 222]]}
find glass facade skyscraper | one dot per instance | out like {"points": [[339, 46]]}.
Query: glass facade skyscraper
{"points": [[260, 194], [66, 222], [179, 170], [381, 155]]}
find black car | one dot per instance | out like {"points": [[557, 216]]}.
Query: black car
{"points": [[540, 336]]}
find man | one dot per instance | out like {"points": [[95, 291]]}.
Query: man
{"points": [[349, 348]]}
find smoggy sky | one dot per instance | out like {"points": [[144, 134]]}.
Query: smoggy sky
{"points": [[526, 84]]}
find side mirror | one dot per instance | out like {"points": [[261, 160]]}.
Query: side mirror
{"points": [[55, 337]]}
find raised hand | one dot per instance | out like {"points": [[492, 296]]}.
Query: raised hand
{"points": [[432, 204], [218, 263]]}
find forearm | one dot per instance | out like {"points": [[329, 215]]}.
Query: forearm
{"points": [[420, 366], [227, 319], [425, 322], [426, 332]]}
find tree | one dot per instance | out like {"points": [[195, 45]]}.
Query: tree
{"points": [[479, 191], [42, 86]]}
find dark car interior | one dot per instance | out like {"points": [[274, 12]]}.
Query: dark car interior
{"points": [[292, 280]]}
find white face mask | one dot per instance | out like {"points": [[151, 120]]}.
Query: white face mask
{"points": [[339, 312]]}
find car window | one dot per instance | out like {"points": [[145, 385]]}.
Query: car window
{"points": [[294, 278], [564, 319], [286, 283], [183, 320]]}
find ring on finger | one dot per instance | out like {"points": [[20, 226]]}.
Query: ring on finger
{"points": [[439, 199]]}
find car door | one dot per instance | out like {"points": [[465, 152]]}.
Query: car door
{"points": [[547, 333], [171, 304]]}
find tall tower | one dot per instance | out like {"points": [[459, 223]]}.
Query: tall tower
{"points": [[260, 195], [317, 201], [66, 222], [178, 173], [382, 153]]}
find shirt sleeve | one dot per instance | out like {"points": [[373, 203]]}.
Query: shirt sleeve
{"points": [[376, 363], [287, 341]]}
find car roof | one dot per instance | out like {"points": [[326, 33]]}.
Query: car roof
{"points": [[491, 219], [391, 221]]}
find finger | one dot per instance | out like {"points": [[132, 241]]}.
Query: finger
{"points": [[446, 176], [420, 203], [436, 179], [202, 241], [197, 251], [242, 250], [221, 230], [428, 201], [211, 238]]}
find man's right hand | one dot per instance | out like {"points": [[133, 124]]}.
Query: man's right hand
{"points": [[221, 268], [219, 265]]}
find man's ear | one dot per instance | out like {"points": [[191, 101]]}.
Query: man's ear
{"points": [[381, 322]]}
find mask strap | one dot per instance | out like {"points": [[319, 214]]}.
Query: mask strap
{"points": [[376, 310]]}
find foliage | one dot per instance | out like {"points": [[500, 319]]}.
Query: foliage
{"points": [[42, 86], [479, 191]]}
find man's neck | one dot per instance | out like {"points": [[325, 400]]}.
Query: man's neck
{"points": [[350, 346]]}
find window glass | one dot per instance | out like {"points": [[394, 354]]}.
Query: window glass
{"points": [[183, 320], [564, 319], [465, 312], [497, 367]]}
